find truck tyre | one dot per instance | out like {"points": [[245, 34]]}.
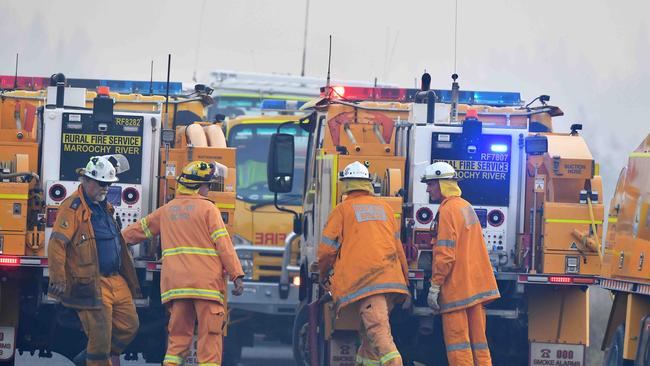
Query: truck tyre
{"points": [[301, 336], [614, 353]]}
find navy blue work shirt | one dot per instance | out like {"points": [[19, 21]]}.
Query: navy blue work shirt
{"points": [[107, 237]]}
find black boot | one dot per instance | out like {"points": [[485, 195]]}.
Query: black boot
{"points": [[80, 359]]}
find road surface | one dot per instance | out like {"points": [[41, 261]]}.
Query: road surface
{"points": [[263, 354]]}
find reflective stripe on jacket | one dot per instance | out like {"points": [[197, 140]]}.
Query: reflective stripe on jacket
{"points": [[360, 243], [196, 248], [461, 264], [73, 258]]}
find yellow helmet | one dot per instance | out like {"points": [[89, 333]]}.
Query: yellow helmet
{"points": [[197, 173]]}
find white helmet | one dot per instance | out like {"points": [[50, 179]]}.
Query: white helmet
{"points": [[438, 170], [355, 170], [101, 169]]}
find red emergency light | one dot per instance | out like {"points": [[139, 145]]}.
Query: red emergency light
{"points": [[360, 93], [103, 90], [9, 261], [24, 82]]}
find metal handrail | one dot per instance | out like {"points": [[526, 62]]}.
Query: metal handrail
{"points": [[286, 258]]}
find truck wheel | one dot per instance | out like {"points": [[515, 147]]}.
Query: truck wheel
{"points": [[614, 353], [301, 335]]}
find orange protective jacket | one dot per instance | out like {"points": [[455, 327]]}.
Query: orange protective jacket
{"points": [[360, 242], [196, 248], [72, 256], [461, 265]]}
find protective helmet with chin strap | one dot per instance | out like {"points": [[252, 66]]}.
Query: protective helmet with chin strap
{"points": [[196, 173], [355, 170], [100, 169], [438, 170]]}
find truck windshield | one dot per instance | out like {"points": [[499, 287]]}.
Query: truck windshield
{"points": [[252, 143]]}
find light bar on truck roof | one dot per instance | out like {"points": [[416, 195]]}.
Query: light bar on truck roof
{"points": [[356, 94], [129, 86], [23, 82], [281, 105], [116, 86]]}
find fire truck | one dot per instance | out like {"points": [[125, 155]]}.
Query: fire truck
{"points": [[260, 229], [624, 271], [47, 133], [536, 192]]}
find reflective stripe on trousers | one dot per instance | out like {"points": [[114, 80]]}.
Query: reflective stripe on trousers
{"points": [[464, 332], [377, 346], [173, 360], [382, 361]]}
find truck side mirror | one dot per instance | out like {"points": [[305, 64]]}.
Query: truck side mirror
{"points": [[280, 163]]}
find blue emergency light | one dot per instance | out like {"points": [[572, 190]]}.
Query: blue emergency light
{"points": [[499, 148], [281, 105], [129, 86], [495, 99]]}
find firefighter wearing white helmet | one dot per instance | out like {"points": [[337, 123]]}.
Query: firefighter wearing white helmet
{"points": [[86, 239], [100, 169], [355, 170], [462, 280], [438, 170], [360, 236]]}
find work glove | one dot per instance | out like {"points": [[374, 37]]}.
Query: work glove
{"points": [[432, 297], [239, 286], [56, 289]]}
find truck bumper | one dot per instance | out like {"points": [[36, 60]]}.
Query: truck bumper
{"points": [[264, 298]]}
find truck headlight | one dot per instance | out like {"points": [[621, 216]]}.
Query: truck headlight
{"points": [[246, 260], [239, 240]]}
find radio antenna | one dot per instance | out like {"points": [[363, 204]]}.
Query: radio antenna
{"points": [[329, 68], [169, 63]]}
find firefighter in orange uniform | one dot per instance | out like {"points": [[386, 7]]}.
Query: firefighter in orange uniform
{"points": [[360, 244], [462, 279], [196, 249], [91, 269]]}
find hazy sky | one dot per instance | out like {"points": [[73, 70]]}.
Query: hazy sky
{"points": [[592, 57]]}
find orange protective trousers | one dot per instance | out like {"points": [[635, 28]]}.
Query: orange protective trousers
{"points": [[464, 332], [377, 346], [112, 328], [184, 313]]}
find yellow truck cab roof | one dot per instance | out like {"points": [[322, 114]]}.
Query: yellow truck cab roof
{"points": [[275, 119]]}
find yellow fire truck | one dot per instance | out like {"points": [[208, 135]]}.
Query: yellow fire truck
{"points": [[46, 135], [536, 193], [624, 270], [260, 229]]}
